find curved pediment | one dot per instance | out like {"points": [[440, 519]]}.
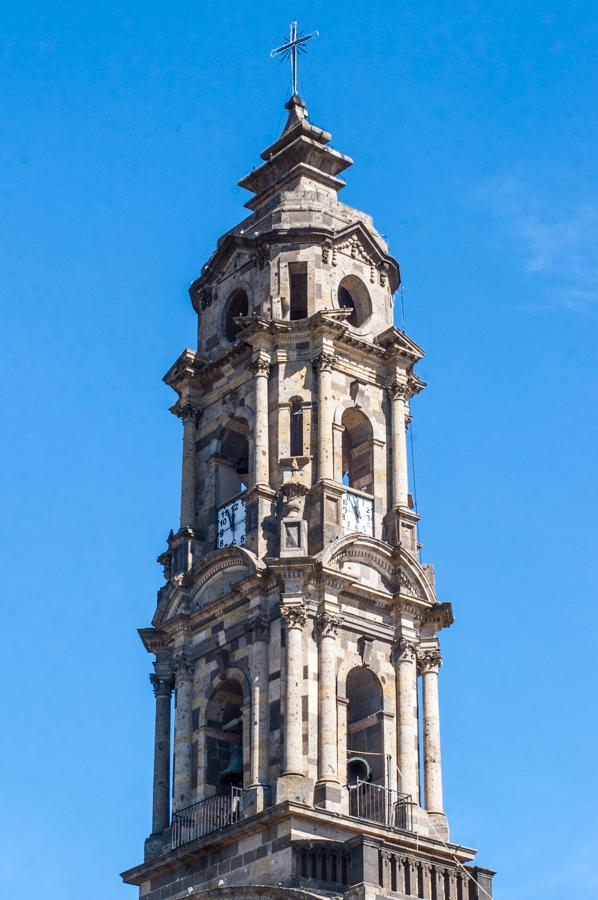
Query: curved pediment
{"points": [[375, 565], [215, 576]]}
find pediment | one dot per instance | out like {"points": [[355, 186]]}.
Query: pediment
{"points": [[219, 573], [359, 243], [374, 565]]}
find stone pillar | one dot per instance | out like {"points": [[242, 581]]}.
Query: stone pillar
{"points": [[326, 630], [261, 371], [429, 663], [183, 733], [190, 416], [162, 684], [260, 628], [323, 367], [407, 720], [293, 619], [398, 393]]}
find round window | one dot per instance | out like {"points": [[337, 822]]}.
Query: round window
{"points": [[354, 296], [236, 306]]}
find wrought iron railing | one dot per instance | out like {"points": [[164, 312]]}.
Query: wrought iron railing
{"points": [[208, 815], [377, 803]]}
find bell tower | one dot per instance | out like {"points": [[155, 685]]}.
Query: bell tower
{"points": [[296, 637]]}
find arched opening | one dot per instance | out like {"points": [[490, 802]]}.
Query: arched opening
{"points": [[224, 737], [298, 290], [354, 296], [358, 462], [365, 735], [296, 429], [233, 460], [237, 305]]}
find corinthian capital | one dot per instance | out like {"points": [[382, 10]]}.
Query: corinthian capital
{"points": [[184, 669], [405, 650], [323, 362], [260, 366], [398, 390], [190, 412], [293, 616], [162, 684], [327, 625], [429, 660]]}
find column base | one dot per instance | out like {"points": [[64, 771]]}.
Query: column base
{"points": [[255, 799], [292, 787], [328, 795], [156, 843], [440, 825]]}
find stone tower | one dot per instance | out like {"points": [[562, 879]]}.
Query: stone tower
{"points": [[297, 629]]}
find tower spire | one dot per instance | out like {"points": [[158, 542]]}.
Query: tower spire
{"points": [[291, 48]]}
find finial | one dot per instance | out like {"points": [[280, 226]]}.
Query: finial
{"points": [[290, 48]]}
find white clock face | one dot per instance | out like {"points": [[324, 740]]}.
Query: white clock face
{"points": [[231, 524], [358, 514]]}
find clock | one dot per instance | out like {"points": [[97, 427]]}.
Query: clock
{"points": [[358, 513], [231, 524]]}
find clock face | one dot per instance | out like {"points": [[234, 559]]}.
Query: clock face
{"points": [[231, 524], [358, 514]]}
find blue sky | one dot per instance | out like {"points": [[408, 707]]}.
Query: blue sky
{"points": [[124, 130]]}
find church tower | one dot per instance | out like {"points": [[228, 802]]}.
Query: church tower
{"points": [[296, 637]]}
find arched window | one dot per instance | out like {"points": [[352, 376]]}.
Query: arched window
{"points": [[365, 734], [358, 464], [224, 737], [353, 295], [237, 305], [233, 461], [296, 429]]}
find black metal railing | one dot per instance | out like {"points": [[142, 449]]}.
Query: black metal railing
{"points": [[377, 803], [208, 815]]}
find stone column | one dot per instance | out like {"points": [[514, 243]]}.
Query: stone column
{"points": [[293, 619], [429, 663], [162, 684], [183, 732], [260, 628], [323, 367], [326, 630], [398, 393], [190, 416], [261, 371], [407, 727]]}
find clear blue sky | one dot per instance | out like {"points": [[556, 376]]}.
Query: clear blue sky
{"points": [[124, 129]]}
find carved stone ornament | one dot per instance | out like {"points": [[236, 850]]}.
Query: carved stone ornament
{"points": [[429, 661], [260, 366], [326, 248], [324, 361], [291, 493], [162, 683], [262, 255], [327, 625], [383, 269], [293, 616], [406, 586], [358, 393], [398, 390], [184, 669], [190, 412], [405, 650], [204, 297], [259, 629]]}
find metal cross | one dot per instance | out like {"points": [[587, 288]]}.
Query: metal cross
{"points": [[289, 49]]}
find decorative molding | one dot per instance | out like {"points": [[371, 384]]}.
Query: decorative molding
{"points": [[293, 616], [429, 660], [364, 648]]}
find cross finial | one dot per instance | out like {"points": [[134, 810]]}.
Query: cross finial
{"points": [[290, 48]]}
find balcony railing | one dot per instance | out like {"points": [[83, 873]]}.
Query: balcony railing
{"points": [[207, 816], [377, 803]]}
